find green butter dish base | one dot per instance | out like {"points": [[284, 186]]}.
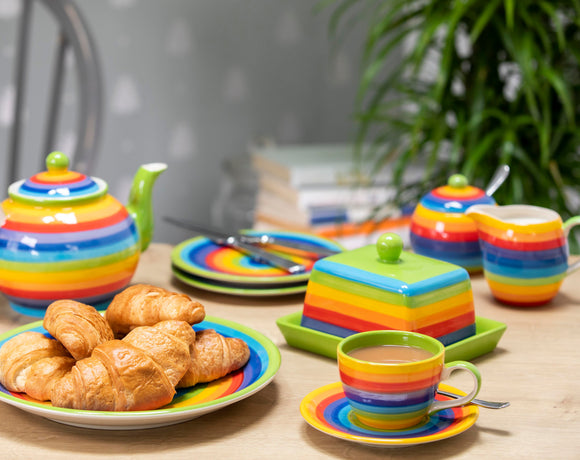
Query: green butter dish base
{"points": [[488, 332]]}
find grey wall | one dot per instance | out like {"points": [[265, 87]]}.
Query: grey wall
{"points": [[191, 83]]}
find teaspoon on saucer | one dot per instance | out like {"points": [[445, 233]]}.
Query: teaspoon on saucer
{"points": [[478, 402]]}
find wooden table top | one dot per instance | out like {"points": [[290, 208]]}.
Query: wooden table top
{"points": [[535, 367]]}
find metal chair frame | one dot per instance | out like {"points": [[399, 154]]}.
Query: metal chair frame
{"points": [[73, 33]]}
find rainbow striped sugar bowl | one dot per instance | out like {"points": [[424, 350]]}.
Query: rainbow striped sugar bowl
{"points": [[525, 252], [63, 236], [441, 230]]}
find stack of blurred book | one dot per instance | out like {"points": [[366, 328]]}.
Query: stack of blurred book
{"points": [[321, 189]]}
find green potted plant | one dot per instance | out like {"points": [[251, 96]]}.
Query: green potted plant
{"points": [[467, 85]]}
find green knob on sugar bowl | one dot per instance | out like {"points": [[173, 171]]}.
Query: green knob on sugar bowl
{"points": [[389, 247], [457, 181]]}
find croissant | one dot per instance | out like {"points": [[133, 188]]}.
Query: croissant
{"points": [[44, 374], [145, 305], [213, 357], [159, 342], [136, 373], [31, 362], [79, 327]]}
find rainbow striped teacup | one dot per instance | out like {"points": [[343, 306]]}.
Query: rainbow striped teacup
{"points": [[395, 395]]}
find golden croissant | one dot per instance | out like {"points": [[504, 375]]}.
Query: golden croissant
{"points": [[137, 373], [145, 305], [31, 363], [213, 357], [79, 327]]}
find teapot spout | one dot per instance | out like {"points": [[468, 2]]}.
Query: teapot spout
{"points": [[140, 205]]}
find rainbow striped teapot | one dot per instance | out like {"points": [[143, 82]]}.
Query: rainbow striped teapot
{"points": [[64, 236], [441, 230]]}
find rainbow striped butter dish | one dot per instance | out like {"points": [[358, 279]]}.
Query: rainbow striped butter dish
{"points": [[366, 289]]}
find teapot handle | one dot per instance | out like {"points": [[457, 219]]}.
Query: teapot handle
{"points": [[572, 222]]}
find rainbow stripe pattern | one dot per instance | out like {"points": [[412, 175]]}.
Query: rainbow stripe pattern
{"points": [[51, 249], [354, 292], [260, 369], [440, 229], [524, 265], [203, 257], [390, 396], [328, 410]]}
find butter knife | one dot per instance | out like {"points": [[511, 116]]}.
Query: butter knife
{"points": [[261, 239], [264, 238], [256, 253]]}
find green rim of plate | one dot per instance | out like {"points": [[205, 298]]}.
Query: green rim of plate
{"points": [[264, 292], [274, 360], [488, 332]]}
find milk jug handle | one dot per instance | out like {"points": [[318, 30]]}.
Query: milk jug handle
{"points": [[573, 221]]}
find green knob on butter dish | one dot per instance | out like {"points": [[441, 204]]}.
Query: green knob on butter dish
{"points": [[389, 247], [457, 181]]}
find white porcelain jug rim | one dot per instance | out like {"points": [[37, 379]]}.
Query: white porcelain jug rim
{"points": [[513, 212]]}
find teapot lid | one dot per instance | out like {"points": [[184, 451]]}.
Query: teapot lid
{"points": [[57, 185], [456, 196]]}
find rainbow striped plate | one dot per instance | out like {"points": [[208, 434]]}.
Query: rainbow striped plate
{"points": [[188, 403], [201, 257], [327, 410]]}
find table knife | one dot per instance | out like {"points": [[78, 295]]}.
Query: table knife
{"points": [[233, 241], [261, 239], [264, 238]]}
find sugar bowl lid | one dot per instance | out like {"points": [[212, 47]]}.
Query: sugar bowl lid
{"points": [[57, 185], [455, 197]]}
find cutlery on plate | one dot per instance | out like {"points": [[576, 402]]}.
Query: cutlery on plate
{"points": [[262, 239], [478, 402], [256, 253]]}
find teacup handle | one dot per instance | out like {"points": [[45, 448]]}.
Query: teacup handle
{"points": [[447, 370], [572, 222]]}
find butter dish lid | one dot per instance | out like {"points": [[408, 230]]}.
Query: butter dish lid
{"points": [[456, 196], [57, 185], [386, 266]]}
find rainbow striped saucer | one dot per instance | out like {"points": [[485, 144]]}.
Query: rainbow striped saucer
{"points": [[327, 410]]}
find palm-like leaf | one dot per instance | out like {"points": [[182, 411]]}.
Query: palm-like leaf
{"points": [[524, 116]]}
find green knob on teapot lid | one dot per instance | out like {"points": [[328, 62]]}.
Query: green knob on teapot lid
{"points": [[389, 247], [56, 161], [458, 181]]}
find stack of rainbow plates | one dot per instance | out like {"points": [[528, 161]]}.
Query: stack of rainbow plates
{"points": [[206, 265]]}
